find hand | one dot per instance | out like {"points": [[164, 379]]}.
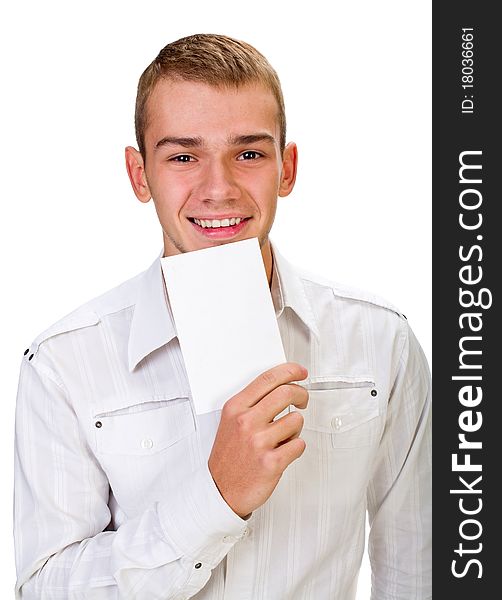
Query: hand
{"points": [[251, 451]]}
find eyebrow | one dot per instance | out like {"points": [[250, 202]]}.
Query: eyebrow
{"points": [[185, 142], [252, 138], [197, 142]]}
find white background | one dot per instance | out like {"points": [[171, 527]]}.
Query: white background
{"points": [[356, 78]]}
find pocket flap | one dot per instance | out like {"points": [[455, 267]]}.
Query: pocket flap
{"points": [[144, 428], [340, 409]]}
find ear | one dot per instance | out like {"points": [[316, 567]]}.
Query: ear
{"points": [[136, 171], [289, 166]]}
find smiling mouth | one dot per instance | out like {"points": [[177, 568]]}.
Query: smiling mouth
{"points": [[218, 223], [219, 229]]}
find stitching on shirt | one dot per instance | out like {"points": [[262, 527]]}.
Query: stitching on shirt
{"points": [[400, 362], [356, 295], [51, 375], [64, 326]]}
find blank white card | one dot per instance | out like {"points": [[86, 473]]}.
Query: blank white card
{"points": [[224, 317]]}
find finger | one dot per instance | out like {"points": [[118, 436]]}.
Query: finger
{"points": [[279, 399], [290, 438], [286, 453], [270, 380], [287, 427]]}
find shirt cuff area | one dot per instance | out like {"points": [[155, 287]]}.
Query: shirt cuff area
{"points": [[199, 522]]}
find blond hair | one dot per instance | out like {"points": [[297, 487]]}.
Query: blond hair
{"points": [[216, 60]]}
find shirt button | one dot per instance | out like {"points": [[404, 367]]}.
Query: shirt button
{"points": [[337, 423], [98, 424], [31, 356], [146, 444], [26, 351], [198, 565], [373, 393]]}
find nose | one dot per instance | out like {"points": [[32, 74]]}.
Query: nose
{"points": [[218, 183]]}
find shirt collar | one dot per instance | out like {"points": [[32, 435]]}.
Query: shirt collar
{"points": [[288, 289], [152, 324]]}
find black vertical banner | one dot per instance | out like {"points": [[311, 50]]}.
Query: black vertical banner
{"points": [[467, 194]]}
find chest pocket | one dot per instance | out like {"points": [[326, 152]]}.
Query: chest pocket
{"points": [[347, 411], [144, 429]]}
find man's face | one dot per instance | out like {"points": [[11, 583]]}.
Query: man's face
{"points": [[213, 164]]}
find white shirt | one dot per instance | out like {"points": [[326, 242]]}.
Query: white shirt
{"points": [[113, 495]]}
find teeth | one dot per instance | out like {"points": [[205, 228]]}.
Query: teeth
{"points": [[215, 223]]}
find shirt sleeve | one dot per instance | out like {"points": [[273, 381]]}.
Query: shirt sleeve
{"points": [[63, 547], [399, 494]]}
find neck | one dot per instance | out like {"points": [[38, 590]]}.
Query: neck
{"points": [[268, 260]]}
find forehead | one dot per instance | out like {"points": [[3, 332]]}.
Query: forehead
{"points": [[178, 107]]}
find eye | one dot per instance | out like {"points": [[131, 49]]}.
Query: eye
{"points": [[182, 158], [250, 155]]}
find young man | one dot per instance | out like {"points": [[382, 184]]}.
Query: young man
{"points": [[122, 491]]}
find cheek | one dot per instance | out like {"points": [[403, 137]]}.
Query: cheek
{"points": [[266, 190], [168, 193], [264, 183]]}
